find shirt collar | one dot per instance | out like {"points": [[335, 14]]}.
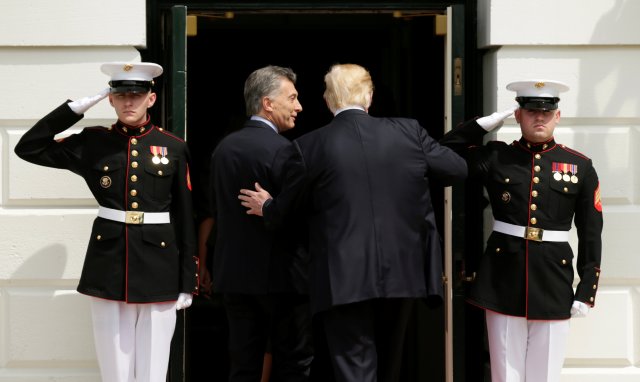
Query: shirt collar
{"points": [[348, 108], [258, 118]]}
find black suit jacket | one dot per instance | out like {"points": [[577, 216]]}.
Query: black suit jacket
{"points": [[249, 258], [365, 189]]}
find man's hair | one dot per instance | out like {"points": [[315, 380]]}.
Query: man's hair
{"points": [[264, 82], [347, 85]]}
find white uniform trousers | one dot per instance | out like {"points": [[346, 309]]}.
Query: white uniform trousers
{"points": [[133, 341], [524, 350]]}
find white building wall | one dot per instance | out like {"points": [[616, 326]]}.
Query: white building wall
{"points": [[51, 51], [594, 46]]}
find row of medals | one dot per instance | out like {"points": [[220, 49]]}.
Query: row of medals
{"points": [[566, 177], [157, 160]]}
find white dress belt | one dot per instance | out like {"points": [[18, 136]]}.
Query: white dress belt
{"points": [[530, 233], [134, 217]]}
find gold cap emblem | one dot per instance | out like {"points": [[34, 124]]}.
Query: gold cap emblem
{"points": [[127, 67], [539, 85]]}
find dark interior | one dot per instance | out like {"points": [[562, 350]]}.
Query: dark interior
{"points": [[406, 61]]}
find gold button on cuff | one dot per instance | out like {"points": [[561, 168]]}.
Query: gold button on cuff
{"points": [[565, 189]]}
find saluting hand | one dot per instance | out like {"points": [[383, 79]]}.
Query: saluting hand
{"points": [[495, 120], [254, 200]]}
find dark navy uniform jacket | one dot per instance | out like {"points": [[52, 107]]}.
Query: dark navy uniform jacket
{"points": [[526, 187], [135, 263]]}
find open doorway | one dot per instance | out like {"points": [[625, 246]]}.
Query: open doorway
{"points": [[406, 61]]}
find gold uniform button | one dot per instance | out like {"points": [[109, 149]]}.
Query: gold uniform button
{"points": [[163, 244], [538, 156], [536, 179], [134, 164], [597, 274], [134, 153], [133, 192], [99, 237], [134, 205], [565, 189], [564, 262], [536, 168], [534, 193], [106, 168], [160, 172], [134, 178], [591, 299], [507, 180], [498, 250], [595, 287], [534, 207], [134, 141], [534, 220]]}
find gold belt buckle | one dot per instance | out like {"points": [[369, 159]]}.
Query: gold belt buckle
{"points": [[134, 217], [533, 233]]}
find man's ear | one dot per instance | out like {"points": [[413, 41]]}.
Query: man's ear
{"points": [[152, 99], [517, 114], [267, 105]]}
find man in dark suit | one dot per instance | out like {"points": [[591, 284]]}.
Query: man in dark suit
{"points": [[141, 262], [260, 273], [364, 185]]}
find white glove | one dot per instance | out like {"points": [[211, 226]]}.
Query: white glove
{"points": [[81, 105], [579, 309], [496, 119], [184, 301]]}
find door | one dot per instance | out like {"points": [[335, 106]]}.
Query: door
{"points": [[466, 357], [175, 120], [407, 61]]}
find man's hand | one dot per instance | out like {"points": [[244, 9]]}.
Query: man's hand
{"points": [[81, 105], [184, 301], [579, 309], [495, 120], [254, 200]]}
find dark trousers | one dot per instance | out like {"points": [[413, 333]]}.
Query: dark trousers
{"points": [[365, 339], [278, 322]]}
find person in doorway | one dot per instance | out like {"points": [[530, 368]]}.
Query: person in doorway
{"points": [[536, 187], [261, 273], [141, 262], [363, 183]]}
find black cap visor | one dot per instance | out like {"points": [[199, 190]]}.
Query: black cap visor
{"points": [[130, 86], [538, 103]]}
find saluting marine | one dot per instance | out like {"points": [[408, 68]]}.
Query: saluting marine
{"points": [[537, 188], [141, 261]]}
